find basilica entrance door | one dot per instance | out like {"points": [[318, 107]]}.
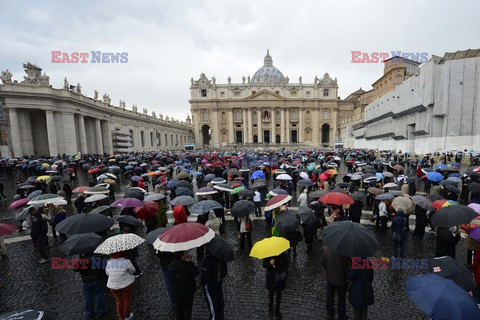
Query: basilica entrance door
{"points": [[266, 136]]}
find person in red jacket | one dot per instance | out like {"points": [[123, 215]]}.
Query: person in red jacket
{"points": [[179, 214]]}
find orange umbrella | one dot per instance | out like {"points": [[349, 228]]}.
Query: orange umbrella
{"points": [[331, 171]]}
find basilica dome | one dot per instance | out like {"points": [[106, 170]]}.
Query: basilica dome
{"points": [[268, 74]]}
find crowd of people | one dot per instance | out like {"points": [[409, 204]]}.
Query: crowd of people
{"points": [[212, 187]]}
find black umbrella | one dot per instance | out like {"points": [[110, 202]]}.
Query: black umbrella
{"points": [[307, 216], [317, 205], [315, 195], [350, 239], [434, 197], [219, 248], [246, 194], [204, 206], [184, 184], [453, 216], [184, 192], [287, 221], [182, 201], [258, 185], [152, 236], [132, 221], [84, 223], [343, 185], [81, 243], [453, 189], [449, 183], [422, 202], [358, 196], [305, 183], [385, 196], [29, 314], [474, 187], [449, 268], [243, 208], [135, 192], [102, 210]]}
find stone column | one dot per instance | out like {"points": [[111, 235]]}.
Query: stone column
{"points": [[214, 127], [282, 125], [245, 126], [196, 130], [333, 127], [98, 136], [51, 133], [107, 137], [287, 125], [26, 133], [300, 125], [231, 138], [315, 128], [250, 126], [70, 134], [259, 125], [272, 133], [82, 134], [15, 137]]}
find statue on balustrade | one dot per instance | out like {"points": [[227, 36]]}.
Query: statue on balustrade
{"points": [[6, 76], [79, 89], [95, 95], [65, 84]]}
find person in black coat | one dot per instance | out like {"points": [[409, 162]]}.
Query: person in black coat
{"points": [[447, 239], [361, 291], [421, 221], [355, 211], [182, 273], [68, 192], [39, 235], [165, 259], [214, 271], [80, 203], [276, 280]]}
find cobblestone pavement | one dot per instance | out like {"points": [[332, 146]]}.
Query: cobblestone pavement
{"points": [[28, 284]]}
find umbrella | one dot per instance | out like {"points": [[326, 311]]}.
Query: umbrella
{"points": [[243, 208], [209, 177], [434, 176], [43, 178], [276, 192], [84, 223], [434, 197], [422, 202], [336, 198], [127, 219], [453, 216], [358, 196], [81, 243], [356, 177], [80, 189], [204, 206], [184, 237], [95, 198], [259, 174], [154, 197], [474, 187], [453, 189], [283, 177], [205, 191], [182, 175], [403, 204], [220, 248], [6, 228], [390, 185], [449, 182], [438, 204], [385, 196], [218, 181], [120, 242], [369, 179], [223, 187], [182, 201], [102, 210], [387, 174], [19, 203], [29, 314], [183, 184], [41, 199], [128, 203], [237, 190], [149, 211], [350, 239], [398, 167], [305, 182], [331, 172], [441, 298], [303, 175], [475, 206], [56, 202], [447, 267], [97, 190], [287, 221], [246, 193], [135, 192], [307, 216], [269, 247], [152, 236], [277, 201], [315, 195]]}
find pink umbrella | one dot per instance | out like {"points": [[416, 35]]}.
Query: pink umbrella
{"points": [[128, 203], [323, 177], [475, 206], [6, 228], [19, 203]]}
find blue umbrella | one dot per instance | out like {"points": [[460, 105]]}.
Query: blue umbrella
{"points": [[455, 164], [455, 175], [34, 194], [379, 175], [172, 184], [434, 176], [129, 167], [305, 182], [259, 174], [197, 173], [310, 167], [441, 298], [183, 192], [209, 177], [440, 167]]}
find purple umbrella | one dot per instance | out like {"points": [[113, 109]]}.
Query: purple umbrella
{"points": [[128, 203], [136, 178], [137, 169]]}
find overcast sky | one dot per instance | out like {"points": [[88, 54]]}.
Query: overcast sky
{"points": [[168, 42]]}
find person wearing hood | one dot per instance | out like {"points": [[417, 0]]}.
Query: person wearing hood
{"points": [[179, 214], [399, 227], [80, 203], [182, 273], [214, 271], [213, 222], [447, 239]]}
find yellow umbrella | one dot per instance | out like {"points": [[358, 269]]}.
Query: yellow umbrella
{"points": [[112, 160], [43, 178], [45, 165], [269, 247], [76, 157]]}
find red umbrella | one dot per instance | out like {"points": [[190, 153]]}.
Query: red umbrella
{"points": [[19, 203], [94, 170], [80, 189], [6, 228], [184, 236], [323, 177], [277, 201], [336, 198], [150, 210]]}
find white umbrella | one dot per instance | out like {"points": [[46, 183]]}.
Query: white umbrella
{"points": [[95, 198], [303, 175], [56, 202], [284, 177], [111, 175], [390, 185], [119, 243]]}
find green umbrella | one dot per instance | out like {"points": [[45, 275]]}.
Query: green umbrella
{"points": [[237, 190]]}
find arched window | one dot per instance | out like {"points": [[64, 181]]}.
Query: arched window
{"points": [[254, 116], [293, 115], [266, 115], [205, 116], [224, 116], [238, 116], [277, 115]]}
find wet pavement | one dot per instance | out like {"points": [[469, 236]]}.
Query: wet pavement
{"points": [[29, 284]]}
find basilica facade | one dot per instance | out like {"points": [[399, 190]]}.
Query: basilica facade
{"points": [[267, 109]]}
